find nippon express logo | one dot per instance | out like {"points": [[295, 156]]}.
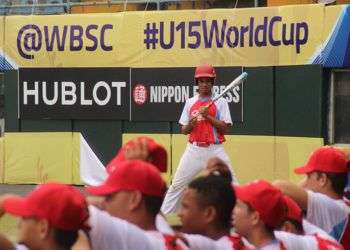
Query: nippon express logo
{"points": [[32, 38], [139, 94]]}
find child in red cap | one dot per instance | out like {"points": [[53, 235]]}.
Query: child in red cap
{"points": [[53, 213], [141, 148], [297, 233], [50, 216], [321, 194], [260, 209], [134, 192]]}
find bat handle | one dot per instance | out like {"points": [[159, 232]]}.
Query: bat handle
{"points": [[209, 104]]}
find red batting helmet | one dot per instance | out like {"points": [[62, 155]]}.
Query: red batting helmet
{"points": [[205, 70]]}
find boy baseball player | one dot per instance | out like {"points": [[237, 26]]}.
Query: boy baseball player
{"points": [[206, 127]]}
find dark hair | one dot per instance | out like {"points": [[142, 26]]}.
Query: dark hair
{"points": [[338, 181], [65, 238], [226, 174], [216, 191], [270, 229], [297, 224], [153, 204]]}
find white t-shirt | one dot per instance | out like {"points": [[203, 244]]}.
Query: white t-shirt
{"points": [[221, 105], [20, 247], [274, 245], [311, 229], [200, 242], [162, 225], [158, 241], [302, 242], [296, 242], [111, 233], [328, 214]]}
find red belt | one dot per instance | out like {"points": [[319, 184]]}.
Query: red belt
{"points": [[203, 144]]}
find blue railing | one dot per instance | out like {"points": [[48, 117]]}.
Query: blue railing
{"points": [[28, 7]]}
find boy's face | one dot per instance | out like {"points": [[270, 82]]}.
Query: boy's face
{"points": [[31, 232], [313, 182], [191, 214], [242, 218], [117, 204], [205, 85]]}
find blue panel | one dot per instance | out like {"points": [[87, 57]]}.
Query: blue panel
{"points": [[336, 52]]}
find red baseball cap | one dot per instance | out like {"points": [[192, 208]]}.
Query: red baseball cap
{"points": [[205, 70], [157, 152], [132, 175], [325, 159], [266, 199], [294, 211], [63, 206]]}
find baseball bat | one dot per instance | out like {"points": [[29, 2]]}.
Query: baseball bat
{"points": [[234, 83]]}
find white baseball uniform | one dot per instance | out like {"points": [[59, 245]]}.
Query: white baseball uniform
{"points": [[283, 241], [164, 233], [162, 241], [200, 242], [311, 229], [20, 247], [306, 242], [205, 142], [163, 226], [330, 215], [110, 233]]}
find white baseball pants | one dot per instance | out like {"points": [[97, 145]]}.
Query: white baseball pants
{"points": [[193, 161]]}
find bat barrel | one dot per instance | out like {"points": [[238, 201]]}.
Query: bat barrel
{"points": [[235, 82], [242, 77]]}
